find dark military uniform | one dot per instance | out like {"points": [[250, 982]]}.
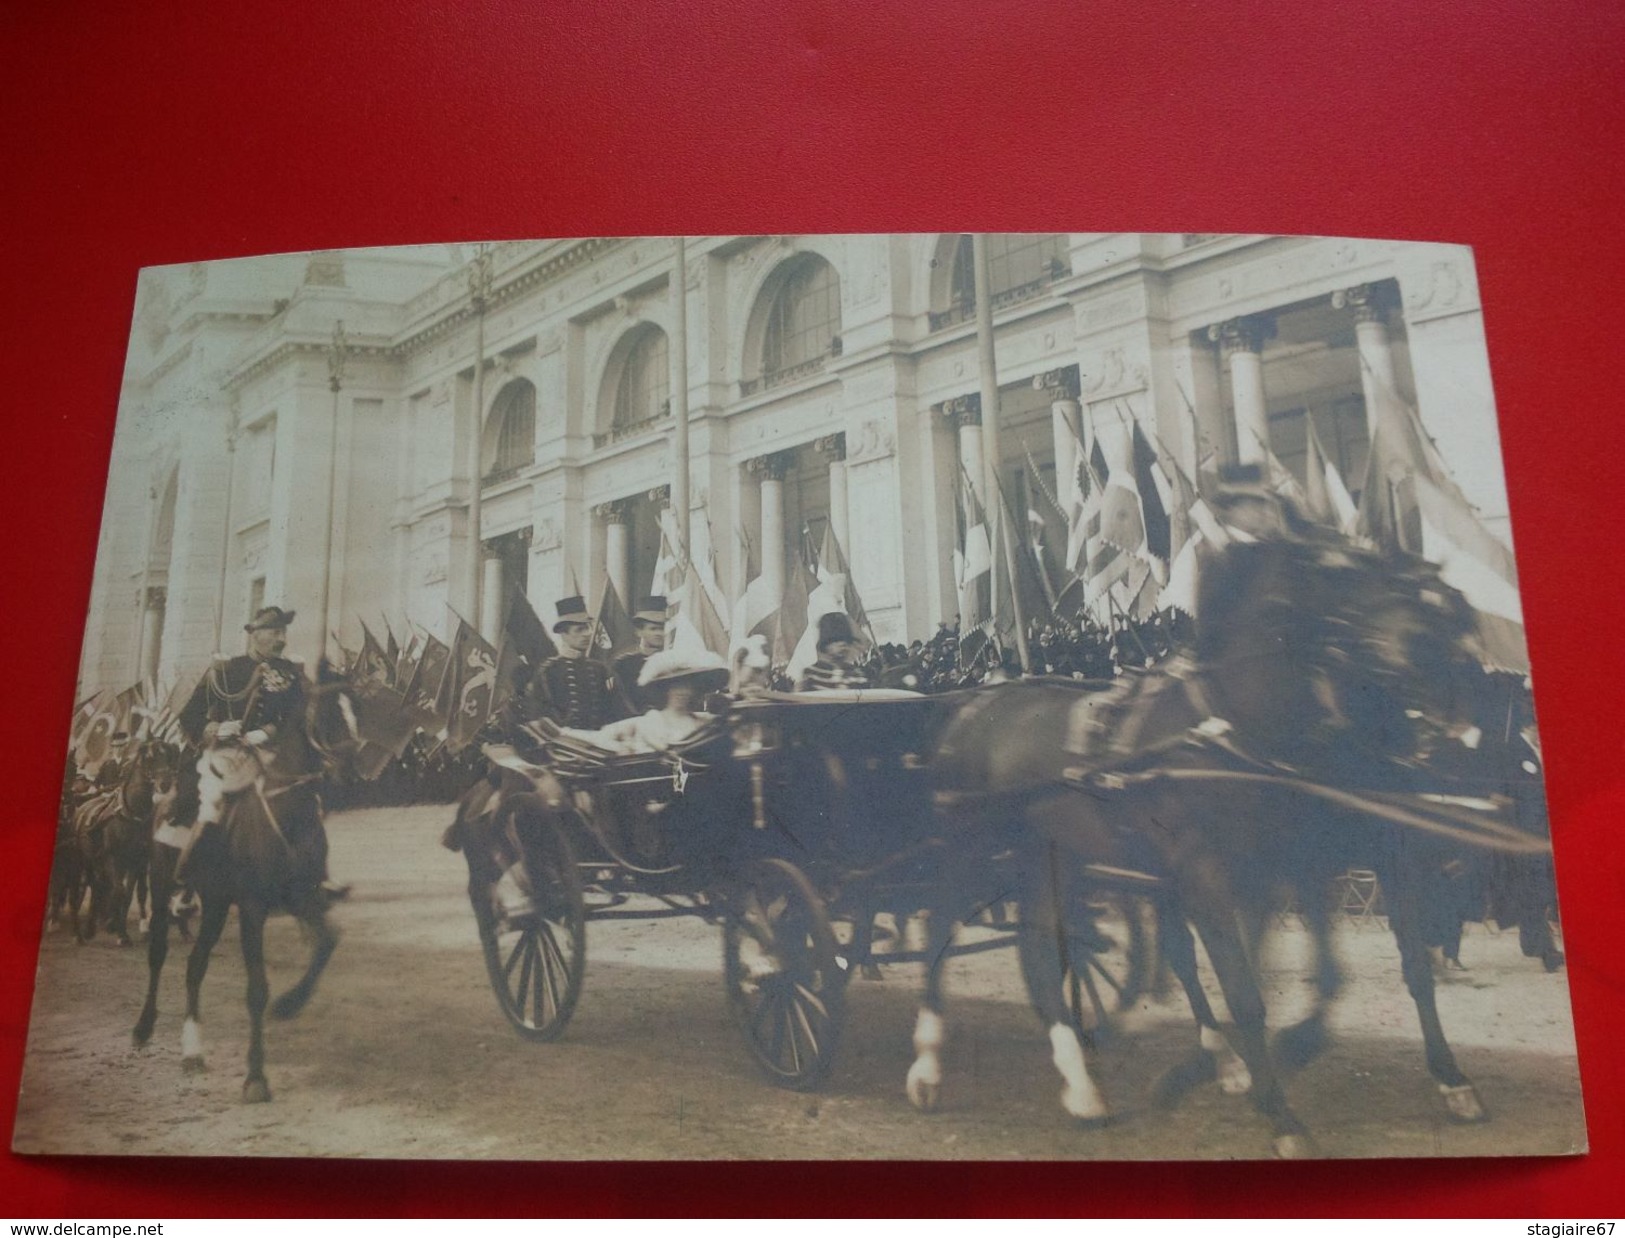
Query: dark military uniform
{"points": [[634, 701], [574, 692], [826, 676], [266, 695]]}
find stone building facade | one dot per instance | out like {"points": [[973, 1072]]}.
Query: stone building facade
{"points": [[830, 380]]}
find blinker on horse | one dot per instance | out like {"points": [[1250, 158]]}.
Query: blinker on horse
{"points": [[1299, 743]]}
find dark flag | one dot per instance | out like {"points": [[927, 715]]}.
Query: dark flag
{"points": [[407, 663], [392, 648], [425, 695], [832, 560], [473, 677], [612, 632], [527, 633], [372, 662], [1153, 511]]}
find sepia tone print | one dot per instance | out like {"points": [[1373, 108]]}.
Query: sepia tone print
{"points": [[704, 697]]}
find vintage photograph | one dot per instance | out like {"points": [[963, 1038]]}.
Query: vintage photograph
{"points": [[1019, 696]]}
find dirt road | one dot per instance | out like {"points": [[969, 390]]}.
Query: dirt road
{"points": [[403, 1052]]}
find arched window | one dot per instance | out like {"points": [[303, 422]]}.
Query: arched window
{"points": [[645, 381], [804, 321], [1020, 265], [514, 416]]}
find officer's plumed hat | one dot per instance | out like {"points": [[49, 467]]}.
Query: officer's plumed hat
{"points": [[572, 612], [651, 610], [833, 627], [269, 617]]}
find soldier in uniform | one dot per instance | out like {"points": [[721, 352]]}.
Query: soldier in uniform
{"points": [[255, 698], [839, 662], [650, 622], [571, 688]]}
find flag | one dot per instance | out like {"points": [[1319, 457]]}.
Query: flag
{"points": [[612, 628], [392, 649], [1192, 525], [668, 573], [382, 720], [407, 662], [784, 626], [697, 625], [1475, 561], [525, 631], [371, 662], [1326, 498], [1154, 499], [754, 603], [974, 566], [473, 676], [831, 564], [427, 695]]}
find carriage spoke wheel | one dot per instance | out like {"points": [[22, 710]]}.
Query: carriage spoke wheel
{"points": [[536, 947], [784, 978], [1111, 959]]}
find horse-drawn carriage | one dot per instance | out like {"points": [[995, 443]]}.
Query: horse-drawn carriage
{"points": [[803, 824]]}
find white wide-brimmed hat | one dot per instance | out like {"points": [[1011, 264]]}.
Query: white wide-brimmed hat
{"points": [[673, 664]]}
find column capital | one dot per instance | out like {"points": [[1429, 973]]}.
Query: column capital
{"points": [[833, 446], [1370, 302], [773, 466], [616, 511], [660, 496], [962, 410], [1061, 383], [1242, 334]]}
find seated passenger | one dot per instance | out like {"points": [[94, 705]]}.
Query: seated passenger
{"points": [[839, 664], [681, 682]]}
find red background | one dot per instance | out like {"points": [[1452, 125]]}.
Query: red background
{"points": [[138, 133]]}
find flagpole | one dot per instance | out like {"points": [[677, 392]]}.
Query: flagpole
{"points": [[679, 392], [480, 280], [990, 425]]}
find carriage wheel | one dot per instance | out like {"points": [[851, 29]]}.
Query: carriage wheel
{"points": [[785, 982], [1111, 959], [536, 951]]}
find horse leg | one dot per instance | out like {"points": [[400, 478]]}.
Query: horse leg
{"points": [[1214, 1058], [311, 909], [1227, 950], [925, 1073], [1404, 917], [123, 893], [197, 965], [1042, 947], [251, 921], [1304, 1041], [157, 953]]}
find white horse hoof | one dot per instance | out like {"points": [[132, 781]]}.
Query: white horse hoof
{"points": [[925, 1086], [1295, 1147], [1085, 1105], [1234, 1077], [1463, 1103]]}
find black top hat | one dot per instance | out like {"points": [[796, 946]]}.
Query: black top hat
{"points": [[268, 617], [572, 612], [651, 610], [833, 627]]}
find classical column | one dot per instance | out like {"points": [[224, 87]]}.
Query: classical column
{"points": [[771, 470], [225, 537], [492, 584], [1375, 349], [833, 448], [480, 281], [337, 350], [1242, 342], [152, 630], [616, 515], [1066, 427], [964, 413]]}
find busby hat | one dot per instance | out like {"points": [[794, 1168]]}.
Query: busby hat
{"points": [[651, 610], [833, 627], [671, 665], [269, 617], [1243, 481], [572, 612]]}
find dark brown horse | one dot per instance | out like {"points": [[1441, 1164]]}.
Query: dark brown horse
{"points": [[112, 834], [1299, 742], [268, 854]]}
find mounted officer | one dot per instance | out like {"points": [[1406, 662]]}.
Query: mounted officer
{"points": [[571, 688], [242, 708], [650, 622]]}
